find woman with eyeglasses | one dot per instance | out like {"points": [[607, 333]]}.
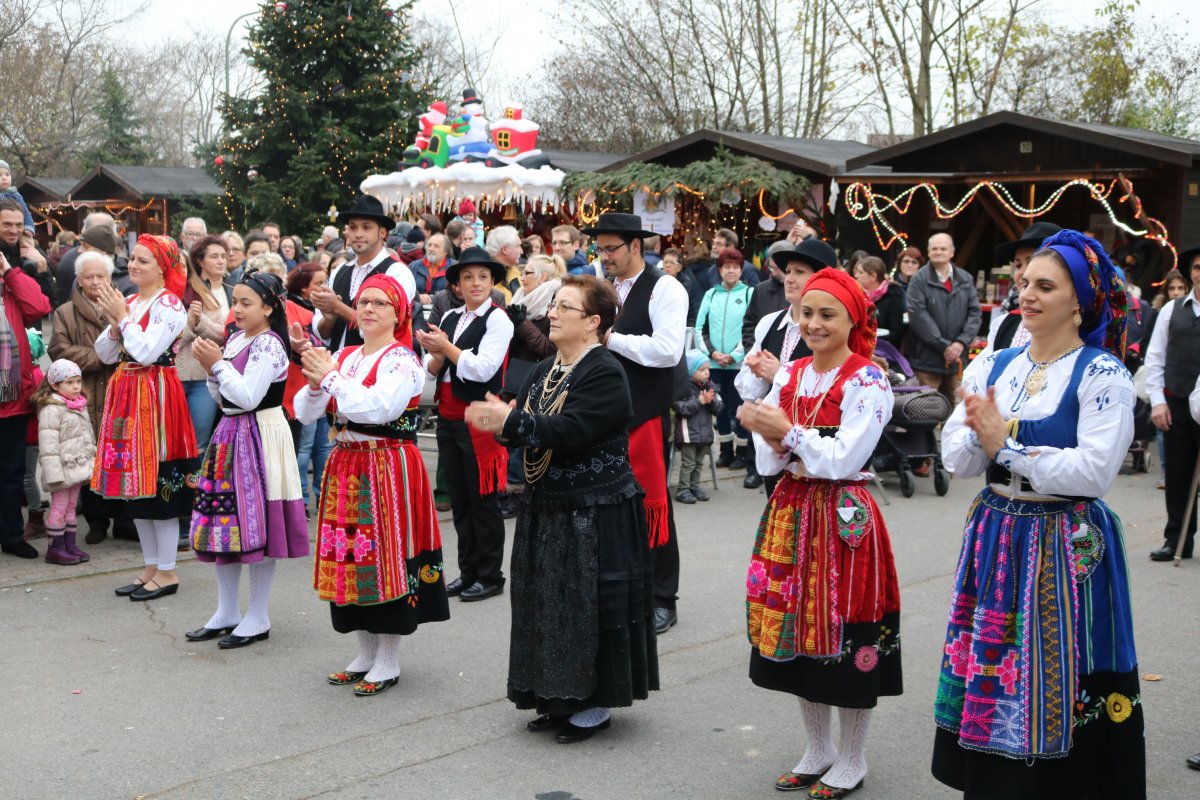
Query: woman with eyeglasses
{"points": [[379, 550], [583, 637]]}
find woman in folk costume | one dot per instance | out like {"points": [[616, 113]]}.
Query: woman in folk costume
{"points": [[823, 603], [248, 504], [146, 447], [467, 352], [581, 531], [379, 552], [1038, 695]]}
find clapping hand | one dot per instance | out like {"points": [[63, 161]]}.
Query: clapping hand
{"points": [[707, 396], [206, 353], [490, 414], [194, 311], [763, 364], [435, 341], [316, 364], [767, 421], [112, 303], [984, 418], [298, 339], [324, 299]]}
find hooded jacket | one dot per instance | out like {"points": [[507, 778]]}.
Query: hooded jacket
{"points": [[719, 322]]}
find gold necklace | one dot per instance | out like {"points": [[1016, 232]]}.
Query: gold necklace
{"points": [[549, 401], [1035, 381]]}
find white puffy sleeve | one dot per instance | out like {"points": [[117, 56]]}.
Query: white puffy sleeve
{"points": [[766, 459], [1105, 430], [749, 385], [167, 320], [866, 409], [962, 454], [399, 379], [268, 362]]}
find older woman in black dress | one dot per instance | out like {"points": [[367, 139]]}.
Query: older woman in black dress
{"points": [[583, 636]]}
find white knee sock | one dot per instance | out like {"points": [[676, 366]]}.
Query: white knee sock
{"points": [[387, 658], [818, 726], [851, 765], [368, 644], [167, 533], [590, 718], [148, 538], [262, 575], [228, 615]]}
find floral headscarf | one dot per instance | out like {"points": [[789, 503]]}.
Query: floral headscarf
{"points": [[166, 253], [1103, 301]]}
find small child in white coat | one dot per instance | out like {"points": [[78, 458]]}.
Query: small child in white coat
{"points": [[67, 452]]}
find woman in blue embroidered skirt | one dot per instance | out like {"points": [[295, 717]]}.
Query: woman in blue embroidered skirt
{"points": [[1038, 695]]}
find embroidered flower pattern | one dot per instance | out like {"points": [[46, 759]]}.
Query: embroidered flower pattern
{"points": [[1118, 706], [866, 658], [756, 579]]}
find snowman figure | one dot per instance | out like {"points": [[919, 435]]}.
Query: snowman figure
{"points": [[469, 138]]}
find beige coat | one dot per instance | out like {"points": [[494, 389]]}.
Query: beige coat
{"points": [[66, 445], [76, 326]]}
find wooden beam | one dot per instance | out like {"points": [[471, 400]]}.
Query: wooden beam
{"points": [[962, 255], [1003, 218]]}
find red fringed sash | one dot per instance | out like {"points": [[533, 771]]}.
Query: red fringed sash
{"points": [[490, 456], [646, 458]]}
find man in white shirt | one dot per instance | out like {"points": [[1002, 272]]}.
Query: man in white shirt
{"points": [[1172, 367], [647, 338], [366, 228]]}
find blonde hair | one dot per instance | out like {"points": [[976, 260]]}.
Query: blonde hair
{"points": [[268, 262], [550, 265]]}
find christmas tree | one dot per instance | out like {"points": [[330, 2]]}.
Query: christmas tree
{"points": [[338, 103]]}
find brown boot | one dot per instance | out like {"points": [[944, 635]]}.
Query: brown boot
{"points": [[35, 527]]}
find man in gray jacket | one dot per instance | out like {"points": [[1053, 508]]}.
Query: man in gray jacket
{"points": [[943, 318]]}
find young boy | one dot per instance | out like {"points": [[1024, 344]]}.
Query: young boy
{"points": [[694, 427], [7, 190]]}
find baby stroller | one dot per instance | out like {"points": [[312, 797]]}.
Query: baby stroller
{"points": [[911, 436]]}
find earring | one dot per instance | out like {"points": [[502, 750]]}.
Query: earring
{"points": [[1077, 320]]}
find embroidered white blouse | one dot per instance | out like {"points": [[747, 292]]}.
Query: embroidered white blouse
{"points": [[400, 378], [749, 385], [268, 363], [866, 408], [167, 320], [1104, 428]]}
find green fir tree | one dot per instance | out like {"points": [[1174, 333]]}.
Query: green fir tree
{"points": [[339, 102], [120, 131]]}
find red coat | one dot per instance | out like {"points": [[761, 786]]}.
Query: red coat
{"points": [[24, 306]]}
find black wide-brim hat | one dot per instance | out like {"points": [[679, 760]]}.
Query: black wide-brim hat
{"points": [[476, 257], [366, 207], [619, 225], [1033, 237], [1185, 259], [812, 251]]}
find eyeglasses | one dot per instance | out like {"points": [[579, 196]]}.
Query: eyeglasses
{"points": [[610, 249], [364, 303], [562, 307], [561, 242]]}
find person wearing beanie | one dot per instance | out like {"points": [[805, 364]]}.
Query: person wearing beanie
{"points": [[468, 216], [67, 450], [413, 247], [8, 190], [694, 415]]}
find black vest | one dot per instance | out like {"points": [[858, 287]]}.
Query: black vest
{"points": [[773, 341], [341, 286], [272, 399], [471, 338], [1183, 351], [652, 388], [1006, 331]]}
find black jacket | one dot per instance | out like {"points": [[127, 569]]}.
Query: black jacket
{"points": [[768, 298], [891, 314], [694, 278]]}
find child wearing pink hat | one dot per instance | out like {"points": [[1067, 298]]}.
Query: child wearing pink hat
{"points": [[67, 451]]}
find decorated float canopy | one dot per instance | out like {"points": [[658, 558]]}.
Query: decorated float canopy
{"points": [[452, 158]]}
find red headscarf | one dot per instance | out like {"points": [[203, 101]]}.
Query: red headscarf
{"points": [[166, 253], [399, 300], [850, 294]]}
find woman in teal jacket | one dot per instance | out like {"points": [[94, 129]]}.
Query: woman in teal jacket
{"points": [[719, 335]]}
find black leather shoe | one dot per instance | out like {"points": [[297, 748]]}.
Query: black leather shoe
{"points": [[544, 723], [1163, 553], [664, 620], [573, 733], [456, 586], [481, 591], [233, 641], [128, 589], [1194, 761], [153, 594], [753, 481], [204, 634], [20, 549]]}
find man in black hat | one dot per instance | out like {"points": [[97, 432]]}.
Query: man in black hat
{"points": [[1005, 328], [1172, 366], [776, 337], [365, 227], [466, 351], [647, 338]]}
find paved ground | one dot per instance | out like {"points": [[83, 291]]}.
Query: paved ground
{"points": [[105, 698]]}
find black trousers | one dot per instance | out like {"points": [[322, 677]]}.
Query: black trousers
{"points": [[666, 558], [1181, 444], [12, 477], [477, 519]]}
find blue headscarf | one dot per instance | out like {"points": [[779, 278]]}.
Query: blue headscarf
{"points": [[1103, 302]]}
